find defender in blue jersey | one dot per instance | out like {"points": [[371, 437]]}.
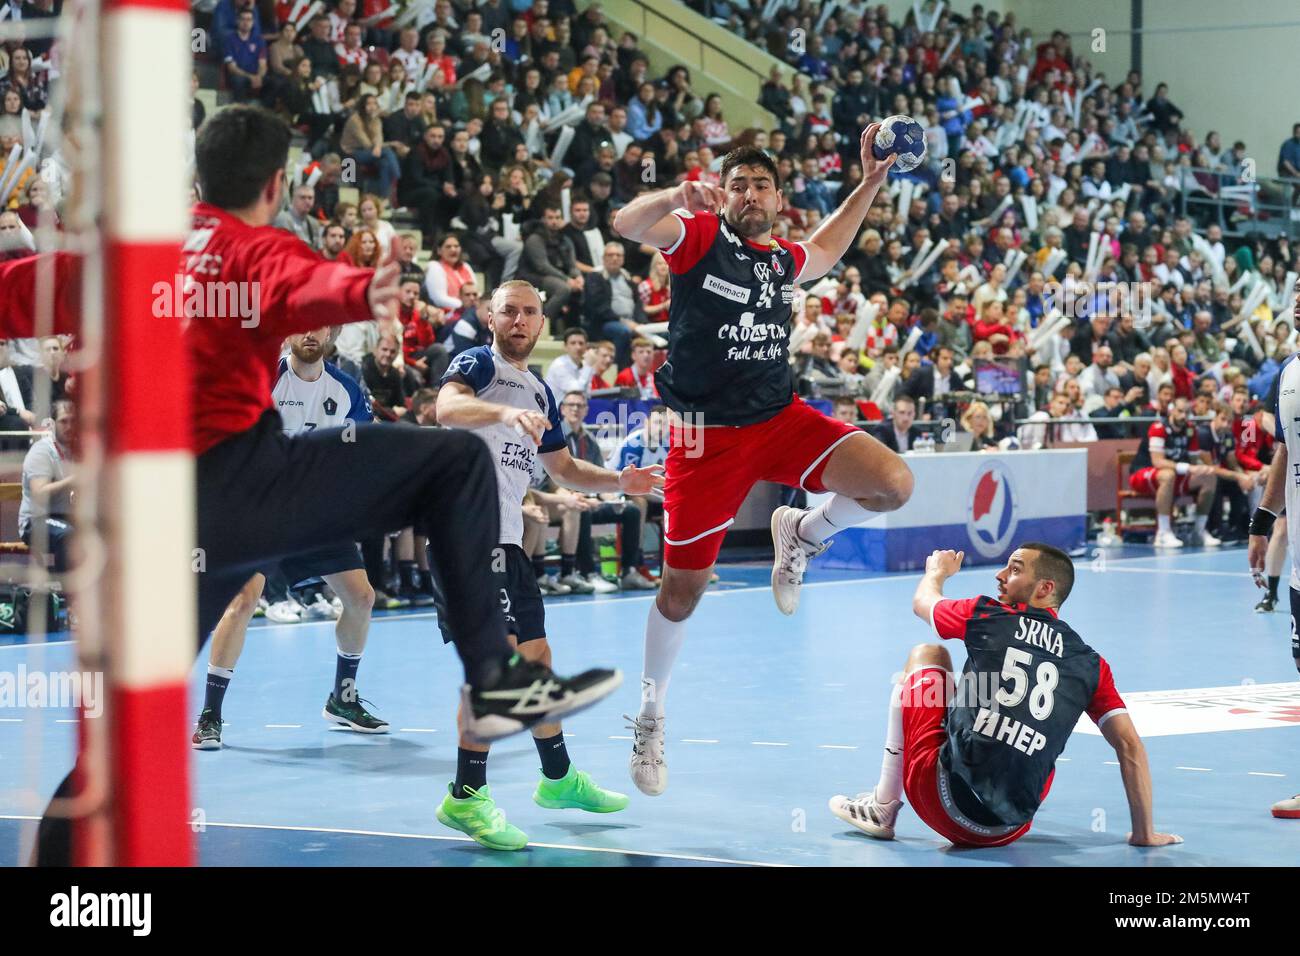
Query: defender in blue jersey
{"points": [[490, 390], [309, 393]]}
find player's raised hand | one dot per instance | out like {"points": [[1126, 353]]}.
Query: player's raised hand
{"points": [[874, 170], [525, 422], [385, 287], [641, 481], [944, 563], [701, 197], [1155, 839]]}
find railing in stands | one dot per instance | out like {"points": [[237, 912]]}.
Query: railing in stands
{"points": [[1267, 204]]}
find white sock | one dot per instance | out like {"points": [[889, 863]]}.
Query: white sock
{"points": [[1162, 524], [1201, 521], [890, 787], [215, 671], [834, 514], [663, 639]]}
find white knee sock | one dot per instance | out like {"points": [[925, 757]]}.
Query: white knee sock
{"points": [[890, 787], [663, 639], [834, 514], [1162, 524]]}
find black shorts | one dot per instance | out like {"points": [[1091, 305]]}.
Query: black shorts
{"points": [[316, 564], [1295, 634], [521, 600]]}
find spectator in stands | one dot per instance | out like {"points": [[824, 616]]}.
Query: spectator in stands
{"points": [[611, 307], [899, 434], [640, 373], [49, 377], [421, 328], [549, 264], [333, 241], [575, 369], [612, 510], [363, 142], [15, 399], [448, 274], [1053, 430], [298, 219], [1113, 406], [363, 248], [1168, 465], [978, 421], [384, 381], [1099, 376], [49, 482], [404, 129], [932, 382], [245, 58]]}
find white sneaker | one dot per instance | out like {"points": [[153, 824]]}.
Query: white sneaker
{"points": [[871, 817], [633, 580], [320, 610], [284, 612], [791, 555], [549, 586], [648, 768], [1209, 541], [576, 583], [600, 584], [1167, 539], [1287, 809]]}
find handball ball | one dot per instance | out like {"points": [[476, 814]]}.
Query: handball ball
{"points": [[903, 137]]}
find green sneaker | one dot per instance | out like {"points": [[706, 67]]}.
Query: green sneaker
{"points": [[478, 816], [577, 791], [207, 733], [353, 715]]}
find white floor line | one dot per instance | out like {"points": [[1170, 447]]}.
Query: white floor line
{"points": [[616, 737], [766, 743], [689, 740], [283, 726], [1260, 773], [463, 839], [1110, 763], [416, 730], [1189, 571], [835, 747], [67, 721], [1201, 769], [11, 720]]}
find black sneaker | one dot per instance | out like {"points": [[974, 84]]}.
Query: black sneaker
{"points": [[1265, 605], [353, 716], [528, 693], [207, 732], [416, 598]]}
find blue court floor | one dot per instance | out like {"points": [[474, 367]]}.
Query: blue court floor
{"points": [[767, 718]]}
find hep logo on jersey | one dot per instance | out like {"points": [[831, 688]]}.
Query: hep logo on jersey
{"points": [[463, 364], [991, 517]]}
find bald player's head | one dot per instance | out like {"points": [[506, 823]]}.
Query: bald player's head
{"points": [[515, 318]]}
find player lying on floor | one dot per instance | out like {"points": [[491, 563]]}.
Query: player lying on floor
{"points": [[976, 760]]}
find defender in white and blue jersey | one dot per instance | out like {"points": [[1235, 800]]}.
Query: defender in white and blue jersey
{"points": [[309, 393], [1283, 492], [491, 391]]}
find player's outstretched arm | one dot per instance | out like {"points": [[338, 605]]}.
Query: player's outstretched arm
{"points": [[459, 407], [584, 476], [828, 244], [1123, 736], [18, 282], [939, 567], [648, 219]]}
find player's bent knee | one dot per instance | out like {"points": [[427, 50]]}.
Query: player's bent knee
{"points": [[898, 486]]}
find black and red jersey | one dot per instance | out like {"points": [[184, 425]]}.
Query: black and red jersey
{"points": [[1175, 444], [729, 323], [1028, 677]]}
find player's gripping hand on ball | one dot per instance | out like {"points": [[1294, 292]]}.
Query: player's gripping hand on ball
{"points": [[874, 170], [525, 422]]}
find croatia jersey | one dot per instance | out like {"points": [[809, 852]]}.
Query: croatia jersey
{"points": [[1028, 678], [332, 401], [729, 323], [515, 456]]}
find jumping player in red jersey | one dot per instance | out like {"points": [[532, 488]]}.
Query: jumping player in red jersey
{"points": [[262, 495], [1169, 464], [976, 759], [729, 380]]}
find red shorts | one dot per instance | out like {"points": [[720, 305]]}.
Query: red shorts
{"points": [[1143, 481], [926, 692], [710, 471]]}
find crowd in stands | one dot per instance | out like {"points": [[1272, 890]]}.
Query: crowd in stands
{"points": [[504, 134]]}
